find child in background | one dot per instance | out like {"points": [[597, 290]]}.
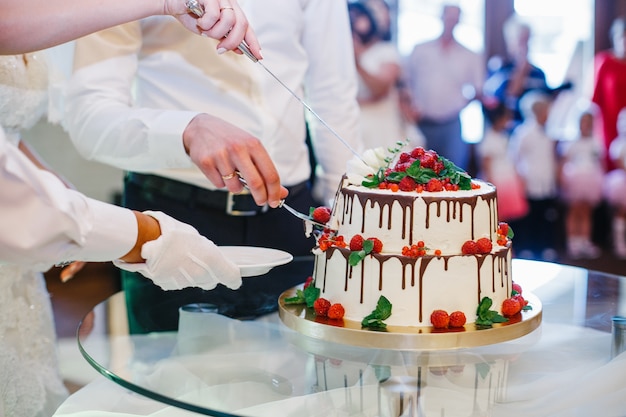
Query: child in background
{"points": [[534, 155], [615, 186], [581, 179], [496, 164]]}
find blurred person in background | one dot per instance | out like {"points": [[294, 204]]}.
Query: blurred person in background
{"points": [[581, 179], [534, 155], [510, 78], [609, 91], [378, 68], [439, 73], [615, 186]]}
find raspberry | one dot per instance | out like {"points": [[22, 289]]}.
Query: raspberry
{"points": [[308, 282], [517, 289], [321, 306], [407, 184], [434, 185], [510, 307], [469, 248], [484, 245], [321, 214], [418, 152], [356, 243], [404, 157], [457, 319], [439, 319], [378, 245], [336, 311]]}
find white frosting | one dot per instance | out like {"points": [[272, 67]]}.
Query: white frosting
{"points": [[415, 286]]}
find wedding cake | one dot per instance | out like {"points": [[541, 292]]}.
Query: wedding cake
{"points": [[413, 241]]}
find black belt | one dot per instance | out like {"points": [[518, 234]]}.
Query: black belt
{"points": [[241, 204]]}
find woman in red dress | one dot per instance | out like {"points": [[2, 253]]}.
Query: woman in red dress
{"points": [[610, 82]]}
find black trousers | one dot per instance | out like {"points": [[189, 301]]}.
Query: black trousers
{"points": [[275, 228]]}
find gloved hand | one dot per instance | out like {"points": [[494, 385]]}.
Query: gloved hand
{"points": [[181, 258]]}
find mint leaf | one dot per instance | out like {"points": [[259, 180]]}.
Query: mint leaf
{"points": [[311, 293], [510, 233], [485, 316], [381, 312], [368, 245], [297, 299], [356, 257]]}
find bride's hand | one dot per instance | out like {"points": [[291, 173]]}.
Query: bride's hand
{"points": [[222, 20]]}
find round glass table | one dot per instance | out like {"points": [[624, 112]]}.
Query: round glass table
{"points": [[214, 365]]}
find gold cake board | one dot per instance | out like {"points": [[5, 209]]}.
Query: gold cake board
{"points": [[303, 320]]}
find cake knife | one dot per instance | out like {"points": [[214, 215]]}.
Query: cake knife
{"points": [[195, 8]]}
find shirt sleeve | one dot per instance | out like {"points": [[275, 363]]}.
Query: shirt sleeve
{"points": [[331, 89], [99, 113], [44, 223]]}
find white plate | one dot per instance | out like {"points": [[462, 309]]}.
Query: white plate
{"points": [[253, 261]]}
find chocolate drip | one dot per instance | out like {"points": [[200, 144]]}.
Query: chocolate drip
{"points": [[480, 259], [459, 202]]}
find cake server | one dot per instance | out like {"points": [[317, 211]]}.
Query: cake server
{"points": [[287, 207], [195, 8]]}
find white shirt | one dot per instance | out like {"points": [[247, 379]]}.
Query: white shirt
{"points": [[535, 156], [438, 78], [176, 75], [42, 222]]}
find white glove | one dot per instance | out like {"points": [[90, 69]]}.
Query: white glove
{"points": [[181, 258]]}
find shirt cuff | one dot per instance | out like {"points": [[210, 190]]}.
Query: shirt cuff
{"points": [[113, 234], [165, 135]]}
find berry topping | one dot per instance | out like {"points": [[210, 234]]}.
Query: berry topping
{"points": [[308, 282], [321, 307], [457, 319], [378, 245], [469, 248], [484, 245], [440, 319], [434, 185], [321, 214], [356, 243], [407, 184], [510, 307], [336, 311], [517, 289]]}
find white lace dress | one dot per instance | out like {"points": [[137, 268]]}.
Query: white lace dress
{"points": [[30, 384]]}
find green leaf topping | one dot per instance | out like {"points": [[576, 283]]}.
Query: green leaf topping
{"points": [[374, 320], [485, 316], [306, 296], [357, 256]]}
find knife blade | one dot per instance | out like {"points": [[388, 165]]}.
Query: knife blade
{"points": [[195, 8]]}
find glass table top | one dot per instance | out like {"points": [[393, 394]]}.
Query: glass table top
{"points": [[218, 366]]}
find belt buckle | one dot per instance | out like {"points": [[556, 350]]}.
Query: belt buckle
{"points": [[230, 205]]}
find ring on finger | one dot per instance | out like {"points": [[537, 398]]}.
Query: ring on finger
{"points": [[230, 176], [226, 8]]}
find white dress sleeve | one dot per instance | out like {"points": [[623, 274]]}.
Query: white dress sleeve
{"points": [[42, 222]]}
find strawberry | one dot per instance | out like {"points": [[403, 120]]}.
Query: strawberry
{"points": [[457, 319], [308, 282], [321, 306], [503, 229], [469, 248], [434, 185], [407, 184], [356, 243], [510, 307], [517, 289], [404, 157], [439, 319], [378, 245], [321, 214], [484, 245], [336, 311], [522, 302]]}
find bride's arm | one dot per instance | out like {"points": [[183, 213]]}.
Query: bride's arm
{"points": [[31, 25]]}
